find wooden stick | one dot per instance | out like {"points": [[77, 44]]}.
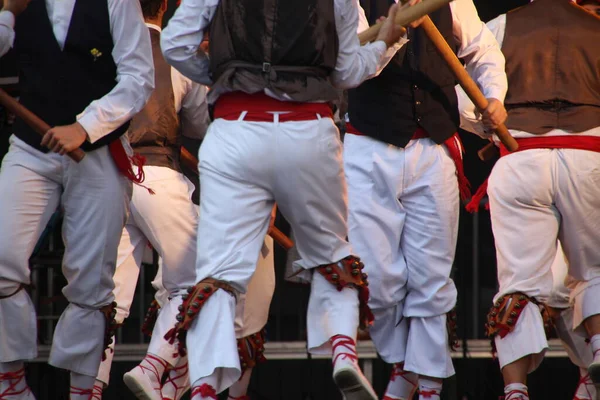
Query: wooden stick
{"points": [[465, 81], [33, 121], [279, 237], [406, 15]]}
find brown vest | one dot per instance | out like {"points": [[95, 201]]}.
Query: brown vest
{"points": [[552, 51], [154, 131], [287, 46]]}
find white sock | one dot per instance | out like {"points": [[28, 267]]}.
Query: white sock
{"points": [[12, 373], [239, 389], [595, 343], [177, 382], [402, 384], [516, 391], [81, 386], [429, 389], [344, 351], [204, 388], [586, 388], [154, 368]]}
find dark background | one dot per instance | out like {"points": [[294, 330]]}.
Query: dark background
{"points": [[302, 379]]}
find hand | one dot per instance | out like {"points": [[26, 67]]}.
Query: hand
{"points": [[64, 139], [494, 115], [390, 32], [416, 23], [16, 6]]}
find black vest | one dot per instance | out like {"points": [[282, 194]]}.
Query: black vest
{"points": [[56, 84], [416, 89], [286, 46], [557, 85], [154, 131]]}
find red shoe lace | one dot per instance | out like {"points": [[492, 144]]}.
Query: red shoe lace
{"points": [[96, 392], [346, 342], [172, 379], [205, 391], [154, 370], [80, 392], [17, 377], [585, 381]]}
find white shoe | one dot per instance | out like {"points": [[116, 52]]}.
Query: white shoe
{"points": [[352, 383], [141, 384]]}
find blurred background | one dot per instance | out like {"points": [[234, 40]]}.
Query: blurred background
{"points": [[290, 373]]}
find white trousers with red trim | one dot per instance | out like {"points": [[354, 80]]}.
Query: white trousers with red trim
{"points": [[94, 198], [168, 221], [244, 168], [536, 197], [403, 220]]}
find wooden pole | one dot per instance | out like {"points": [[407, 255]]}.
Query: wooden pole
{"points": [[463, 78], [406, 15], [33, 121]]}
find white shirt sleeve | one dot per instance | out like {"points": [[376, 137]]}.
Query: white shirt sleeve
{"points": [[191, 105], [181, 39], [480, 50], [356, 63], [470, 118], [7, 33], [132, 53]]}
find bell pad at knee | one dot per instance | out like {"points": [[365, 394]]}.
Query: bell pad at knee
{"points": [[251, 350], [150, 318], [503, 315], [192, 304], [110, 328], [451, 324], [348, 272]]}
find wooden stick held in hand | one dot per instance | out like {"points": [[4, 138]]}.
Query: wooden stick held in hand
{"points": [[463, 78], [33, 121], [406, 15], [191, 162]]}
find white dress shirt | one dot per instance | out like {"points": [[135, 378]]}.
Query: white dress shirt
{"points": [[470, 118], [190, 102], [7, 33], [132, 54], [185, 32]]}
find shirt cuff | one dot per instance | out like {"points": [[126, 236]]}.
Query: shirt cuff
{"points": [[7, 19], [380, 47], [495, 92], [90, 124]]}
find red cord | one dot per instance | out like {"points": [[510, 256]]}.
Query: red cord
{"points": [[516, 392], [154, 370], [205, 391], [346, 342], [172, 379], [585, 381], [17, 377], [427, 394], [399, 371]]}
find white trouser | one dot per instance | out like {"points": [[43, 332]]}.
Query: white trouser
{"points": [[403, 220], [167, 220], [574, 343], [244, 168], [95, 198], [537, 196]]}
